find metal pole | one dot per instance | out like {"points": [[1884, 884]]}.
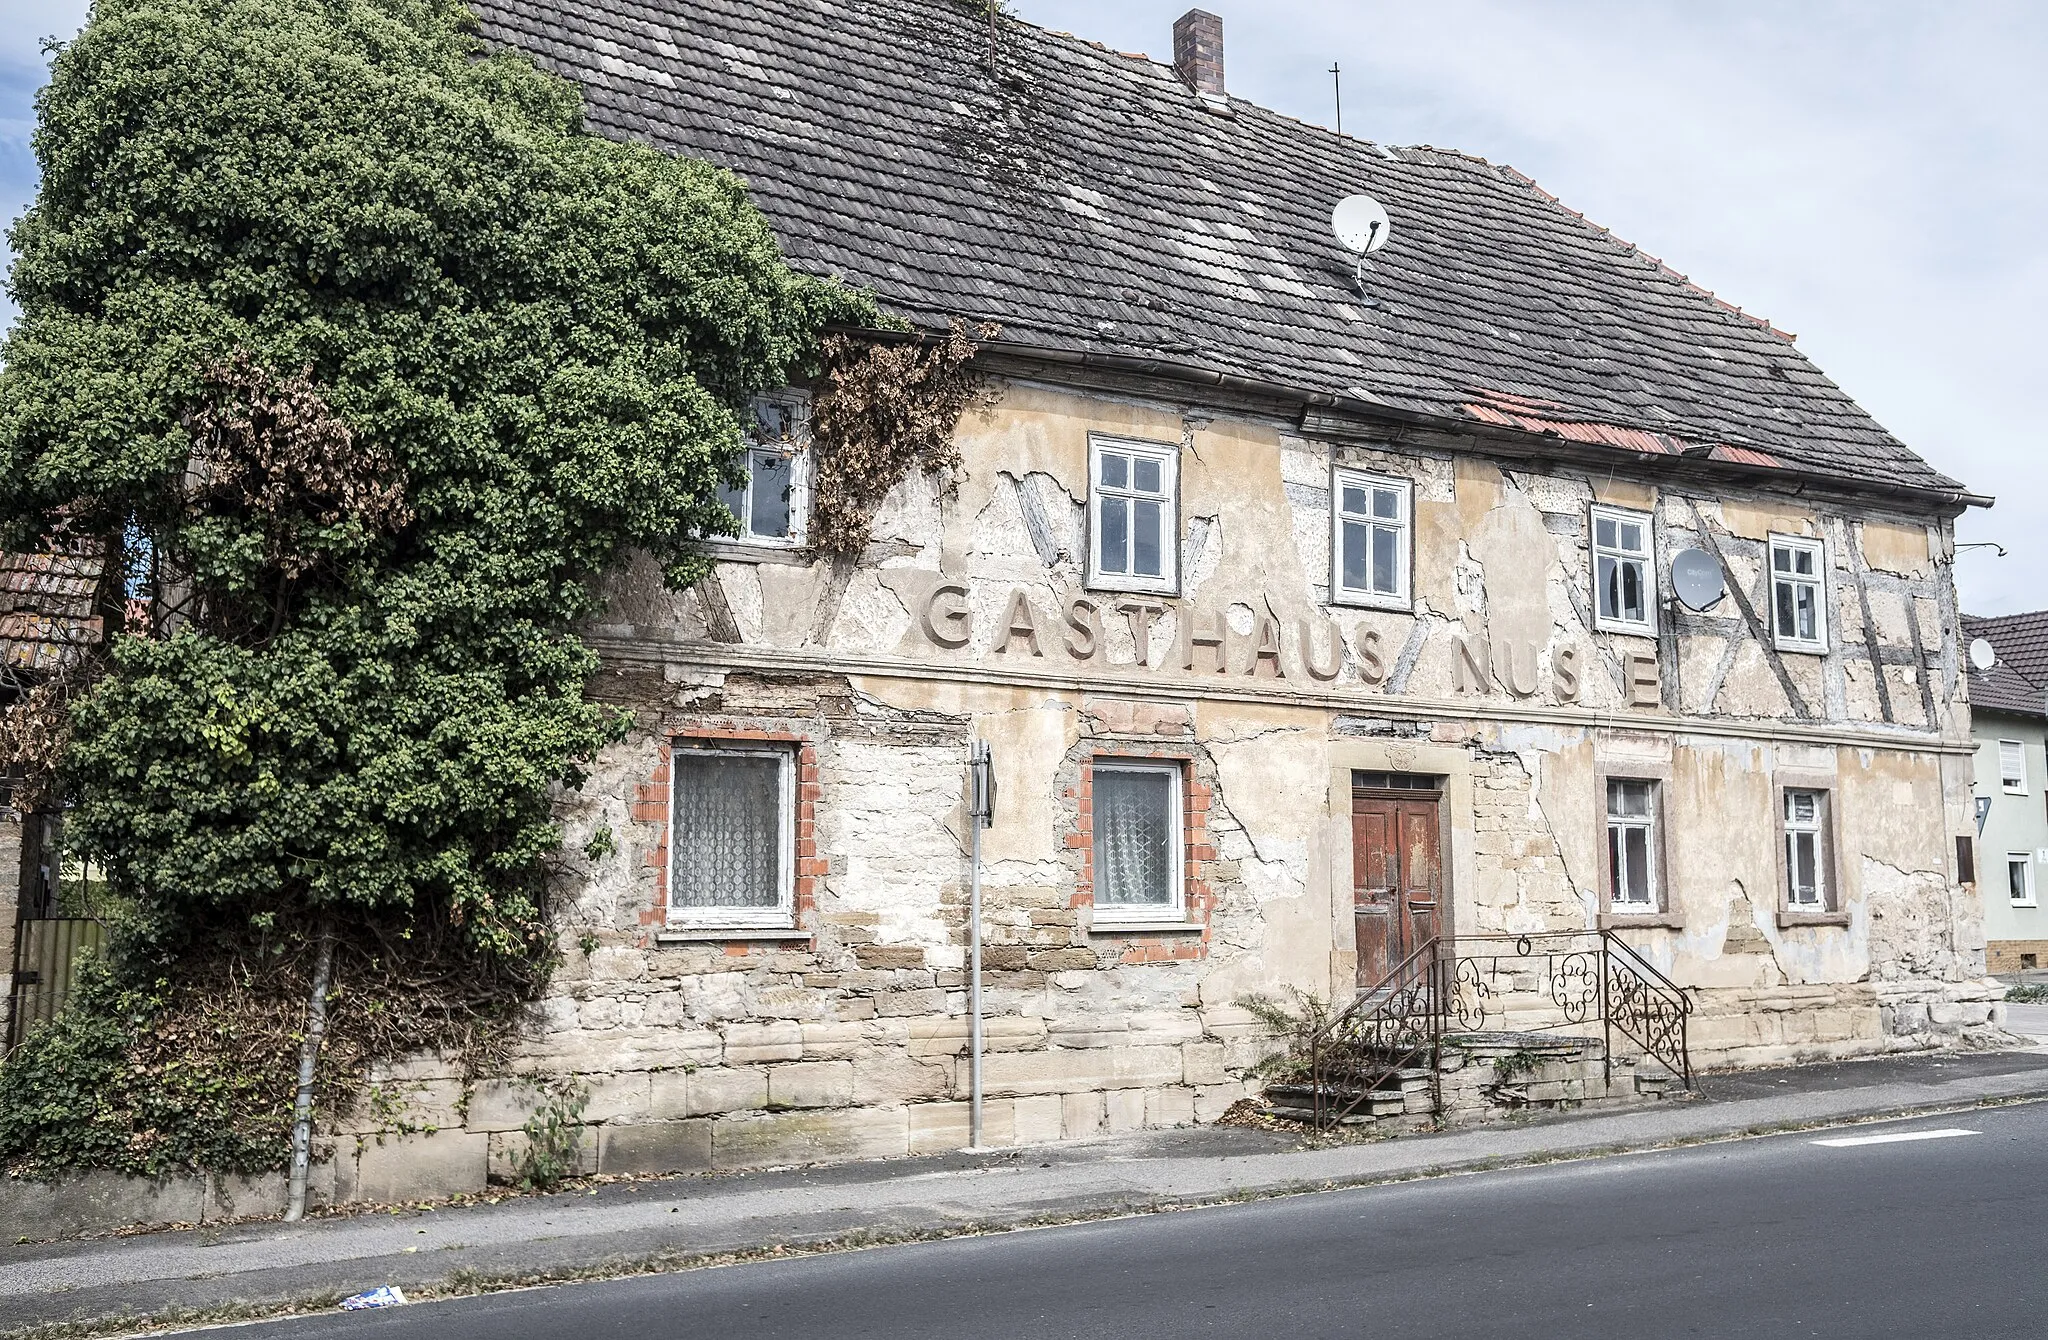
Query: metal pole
{"points": [[981, 807], [974, 985]]}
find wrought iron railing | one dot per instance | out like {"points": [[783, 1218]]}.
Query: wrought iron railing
{"points": [[1394, 1026], [1533, 983]]}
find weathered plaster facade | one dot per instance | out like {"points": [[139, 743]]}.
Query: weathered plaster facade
{"points": [[969, 616]]}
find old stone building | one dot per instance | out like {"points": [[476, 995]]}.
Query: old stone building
{"points": [[1312, 610]]}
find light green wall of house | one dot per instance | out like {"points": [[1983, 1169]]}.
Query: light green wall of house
{"points": [[2016, 826]]}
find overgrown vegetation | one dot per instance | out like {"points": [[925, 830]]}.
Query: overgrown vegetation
{"points": [[886, 411], [554, 1138], [368, 360], [1296, 1025]]}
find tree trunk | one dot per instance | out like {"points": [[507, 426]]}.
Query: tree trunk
{"points": [[309, 1055]]}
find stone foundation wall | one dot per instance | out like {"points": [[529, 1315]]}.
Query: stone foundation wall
{"points": [[2008, 956]]}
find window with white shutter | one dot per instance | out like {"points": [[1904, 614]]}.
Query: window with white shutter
{"points": [[2012, 767]]}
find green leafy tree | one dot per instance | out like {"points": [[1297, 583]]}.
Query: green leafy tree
{"points": [[372, 358]]}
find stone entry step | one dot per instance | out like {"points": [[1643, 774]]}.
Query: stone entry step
{"points": [[1485, 1077]]}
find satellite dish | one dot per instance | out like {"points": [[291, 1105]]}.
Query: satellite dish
{"points": [[1982, 654], [1361, 223], [1697, 579]]}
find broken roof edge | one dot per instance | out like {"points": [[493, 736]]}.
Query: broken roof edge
{"points": [[1369, 414]]}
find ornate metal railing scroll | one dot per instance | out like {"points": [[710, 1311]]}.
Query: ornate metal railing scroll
{"points": [[1394, 1026], [1535, 981], [1646, 1007]]}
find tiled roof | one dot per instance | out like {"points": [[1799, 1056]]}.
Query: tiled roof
{"points": [[2019, 681], [1087, 202], [50, 606]]}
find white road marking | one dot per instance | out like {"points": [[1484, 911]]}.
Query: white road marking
{"points": [[1844, 1142]]}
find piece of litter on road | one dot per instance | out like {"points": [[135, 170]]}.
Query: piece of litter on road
{"points": [[1843, 1142], [386, 1295]]}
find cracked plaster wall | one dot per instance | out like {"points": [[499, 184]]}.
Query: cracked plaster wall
{"points": [[1092, 1032]]}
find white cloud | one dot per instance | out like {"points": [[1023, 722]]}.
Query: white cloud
{"points": [[1862, 173]]}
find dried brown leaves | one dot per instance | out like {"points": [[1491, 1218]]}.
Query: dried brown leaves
{"points": [[33, 731], [887, 410], [272, 446]]}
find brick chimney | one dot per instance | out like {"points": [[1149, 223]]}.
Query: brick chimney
{"points": [[1198, 57]]}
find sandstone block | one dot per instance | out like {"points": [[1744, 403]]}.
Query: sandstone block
{"points": [[655, 1147], [1062, 960], [938, 1127], [1203, 1063], [889, 956], [1039, 1119], [833, 1041], [751, 1044], [1170, 1107], [712, 1091], [1124, 1110], [907, 1003], [610, 1097], [778, 1138], [1066, 1071], [1081, 1115], [888, 1078], [811, 1084], [402, 1168], [1213, 1100]]}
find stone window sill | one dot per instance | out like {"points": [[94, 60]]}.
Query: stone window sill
{"points": [[1788, 919], [1146, 928], [1656, 920], [738, 551], [724, 934]]}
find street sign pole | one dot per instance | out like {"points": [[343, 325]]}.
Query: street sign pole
{"points": [[981, 792]]}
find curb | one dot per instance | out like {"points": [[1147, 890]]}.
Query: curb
{"points": [[426, 1286]]}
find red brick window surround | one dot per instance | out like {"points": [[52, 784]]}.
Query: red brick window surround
{"points": [[1186, 937], [792, 830]]}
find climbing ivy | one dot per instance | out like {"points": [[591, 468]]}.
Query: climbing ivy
{"points": [[368, 359]]}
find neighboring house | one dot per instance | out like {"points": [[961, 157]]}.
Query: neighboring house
{"points": [[53, 608], [2009, 716]]}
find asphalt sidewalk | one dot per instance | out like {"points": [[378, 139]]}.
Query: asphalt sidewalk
{"points": [[673, 1221]]}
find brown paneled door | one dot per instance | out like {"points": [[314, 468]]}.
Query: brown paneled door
{"points": [[1396, 878]]}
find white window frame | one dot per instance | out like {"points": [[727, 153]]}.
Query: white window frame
{"points": [[796, 448], [1403, 527], [1788, 639], [1817, 827], [1647, 557], [783, 915], [1174, 911], [2012, 780], [1652, 838], [2025, 860], [1168, 456]]}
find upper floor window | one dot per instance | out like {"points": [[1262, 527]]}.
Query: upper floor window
{"points": [[731, 837], [1806, 850], [1624, 582], [1133, 500], [1632, 845], [1370, 540], [1799, 611], [773, 500], [2012, 766]]}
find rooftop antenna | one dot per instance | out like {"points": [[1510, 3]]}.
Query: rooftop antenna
{"points": [[1361, 224], [1337, 83]]}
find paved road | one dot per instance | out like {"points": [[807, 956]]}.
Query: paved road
{"points": [[1933, 1237]]}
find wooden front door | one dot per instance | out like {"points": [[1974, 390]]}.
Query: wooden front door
{"points": [[1396, 878]]}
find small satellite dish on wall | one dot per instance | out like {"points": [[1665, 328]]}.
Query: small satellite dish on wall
{"points": [[1697, 580], [1361, 224], [1982, 654]]}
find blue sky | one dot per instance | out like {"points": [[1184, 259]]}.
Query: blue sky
{"points": [[1866, 173]]}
